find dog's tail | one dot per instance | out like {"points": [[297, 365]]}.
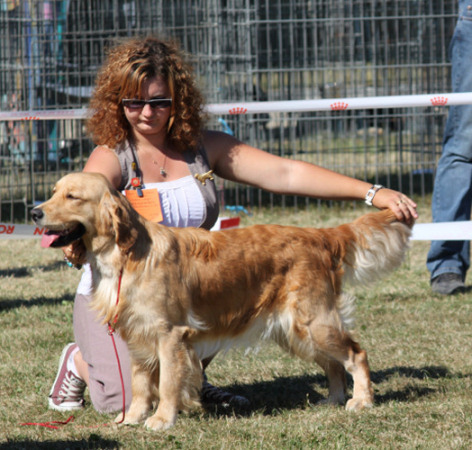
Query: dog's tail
{"points": [[374, 245]]}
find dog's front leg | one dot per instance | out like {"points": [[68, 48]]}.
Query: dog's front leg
{"points": [[180, 378], [142, 383]]}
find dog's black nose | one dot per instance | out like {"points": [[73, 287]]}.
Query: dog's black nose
{"points": [[36, 214]]}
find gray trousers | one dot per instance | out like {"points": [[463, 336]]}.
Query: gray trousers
{"points": [[98, 352]]}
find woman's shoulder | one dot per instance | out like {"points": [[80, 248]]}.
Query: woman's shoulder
{"points": [[102, 154], [103, 150], [215, 141], [105, 160]]}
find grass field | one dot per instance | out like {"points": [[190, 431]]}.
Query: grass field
{"points": [[419, 347]]}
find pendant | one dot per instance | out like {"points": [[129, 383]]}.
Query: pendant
{"points": [[162, 169]]}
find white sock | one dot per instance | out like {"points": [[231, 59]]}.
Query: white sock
{"points": [[71, 363]]}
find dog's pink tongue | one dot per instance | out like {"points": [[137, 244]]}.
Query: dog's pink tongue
{"points": [[48, 239]]}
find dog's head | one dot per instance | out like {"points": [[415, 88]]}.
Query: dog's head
{"points": [[84, 206]]}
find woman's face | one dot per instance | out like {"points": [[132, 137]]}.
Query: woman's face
{"points": [[146, 119]]}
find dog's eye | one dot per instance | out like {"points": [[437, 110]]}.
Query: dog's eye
{"points": [[71, 196]]}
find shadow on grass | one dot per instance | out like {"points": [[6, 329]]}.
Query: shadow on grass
{"points": [[93, 442], [21, 272], [407, 394], [6, 305], [422, 373], [411, 392], [271, 396], [297, 392]]}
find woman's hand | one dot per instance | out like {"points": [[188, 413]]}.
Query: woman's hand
{"points": [[402, 206], [75, 253]]}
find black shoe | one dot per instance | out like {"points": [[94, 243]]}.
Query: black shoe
{"points": [[447, 284], [214, 395]]}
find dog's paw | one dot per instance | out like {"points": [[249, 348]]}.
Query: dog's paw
{"points": [[129, 419], [357, 404], [157, 423], [126, 421], [119, 419]]}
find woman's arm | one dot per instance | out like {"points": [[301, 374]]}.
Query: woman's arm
{"points": [[240, 162], [104, 161]]}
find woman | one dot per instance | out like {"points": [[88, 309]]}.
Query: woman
{"points": [[147, 123]]}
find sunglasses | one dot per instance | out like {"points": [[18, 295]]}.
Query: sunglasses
{"points": [[133, 103]]}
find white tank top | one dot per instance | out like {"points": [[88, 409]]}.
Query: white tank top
{"points": [[182, 206]]}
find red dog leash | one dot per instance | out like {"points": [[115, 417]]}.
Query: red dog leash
{"points": [[111, 332], [52, 425]]}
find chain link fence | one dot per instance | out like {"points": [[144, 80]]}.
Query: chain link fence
{"points": [[242, 50]]}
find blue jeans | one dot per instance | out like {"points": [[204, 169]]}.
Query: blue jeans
{"points": [[452, 195]]}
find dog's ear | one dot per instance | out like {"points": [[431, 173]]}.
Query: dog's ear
{"points": [[117, 217]]}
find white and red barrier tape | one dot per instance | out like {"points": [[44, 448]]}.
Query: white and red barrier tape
{"points": [[432, 231], [342, 104], [444, 231], [237, 108], [16, 231]]}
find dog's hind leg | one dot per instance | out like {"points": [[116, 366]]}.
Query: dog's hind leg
{"points": [[300, 338], [324, 340], [336, 375], [180, 378], [337, 344], [357, 365]]}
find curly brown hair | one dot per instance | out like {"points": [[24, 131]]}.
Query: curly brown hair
{"points": [[128, 65]]}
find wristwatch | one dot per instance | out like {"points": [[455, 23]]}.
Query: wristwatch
{"points": [[369, 197]]}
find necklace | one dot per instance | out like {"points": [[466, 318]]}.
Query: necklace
{"points": [[162, 169]]}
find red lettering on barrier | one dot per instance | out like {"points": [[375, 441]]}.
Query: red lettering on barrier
{"points": [[238, 110], [439, 101], [39, 231], [7, 229], [339, 106], [29, 118]]}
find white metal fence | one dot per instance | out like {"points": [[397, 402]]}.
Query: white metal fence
{"points": [[243, 51]]}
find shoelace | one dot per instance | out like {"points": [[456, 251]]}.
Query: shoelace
{"points": [[72, 388], [450, 277]]}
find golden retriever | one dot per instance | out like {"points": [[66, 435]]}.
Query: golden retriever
{"points": [[188, 293]]}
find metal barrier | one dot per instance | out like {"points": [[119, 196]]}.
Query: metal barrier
{"points": [[253, 51]]}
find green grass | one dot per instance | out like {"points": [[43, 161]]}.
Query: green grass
{"points": [[418, 345]]}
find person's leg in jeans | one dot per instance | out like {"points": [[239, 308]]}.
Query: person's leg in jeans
{"points": [[448, 261]]}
